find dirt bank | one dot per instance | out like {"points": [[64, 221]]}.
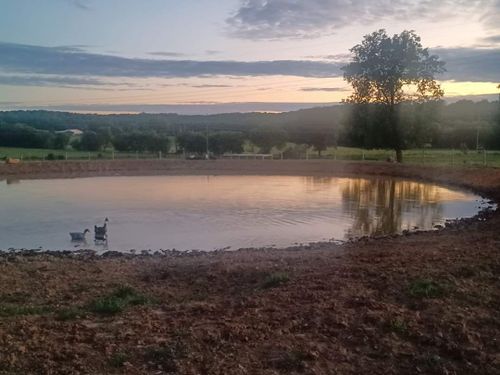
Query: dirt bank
{"points": [[418, 304], [485, 180]]}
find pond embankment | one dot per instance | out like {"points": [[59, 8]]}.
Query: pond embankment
{"points": [[424, 303], [485, 180]]}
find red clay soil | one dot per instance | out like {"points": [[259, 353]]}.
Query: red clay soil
{"points": [[426, 303]]}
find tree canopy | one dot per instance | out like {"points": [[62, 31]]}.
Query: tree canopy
{"points": [[387, 71]]}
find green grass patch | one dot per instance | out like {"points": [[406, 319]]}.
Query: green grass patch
{"points": [[71, 313], [117, 301], [275, 279], [398, 326], [425, 288], [166, 355], [117, 360], [9, 310], [293, 361]]}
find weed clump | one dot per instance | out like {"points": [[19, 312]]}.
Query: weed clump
{"points": [[117, 301], [69, 314], [275, 279], [166, 355], [117, 360], [398, 326], [289, 361], [425, 288]]}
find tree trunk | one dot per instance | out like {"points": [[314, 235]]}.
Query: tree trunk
{"points": [[399, 156]]}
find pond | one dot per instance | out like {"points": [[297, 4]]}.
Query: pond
{"points": [[215, 212]]}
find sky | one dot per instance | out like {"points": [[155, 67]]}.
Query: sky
{"points": [[206, 56]]}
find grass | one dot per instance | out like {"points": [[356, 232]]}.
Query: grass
{"points": [[425, 288], [9, 310], [117, 301], [417, 156], [413, 156], [51, 154], [71, 313], [398, 326], [293, 361], [166, 355], [117, 360], [275, 279]]}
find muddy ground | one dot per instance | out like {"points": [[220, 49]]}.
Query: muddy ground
{"points": [[426, 303]]}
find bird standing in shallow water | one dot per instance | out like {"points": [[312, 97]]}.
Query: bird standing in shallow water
{"points": [[79, 236]]}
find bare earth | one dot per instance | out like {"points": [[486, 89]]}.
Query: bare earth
{"points": [[426, 303]]}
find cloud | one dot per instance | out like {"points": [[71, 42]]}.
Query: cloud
{"points": [[494, 39], [274, 19], [19, 58], [81, 83], [341, 57], [81, 4], [24, 80], [166, 54], [192, 108], [327, 89], [470, 64], [212, 52], [210, 86], [462, 64]]}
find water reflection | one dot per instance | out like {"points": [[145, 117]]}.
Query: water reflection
{"points": [[12, 181], [200, 212], [382, 206]]}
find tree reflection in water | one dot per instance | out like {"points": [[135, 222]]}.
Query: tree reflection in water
{"points": [[386, 206]]}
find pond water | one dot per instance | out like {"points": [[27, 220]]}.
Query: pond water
{"points": [[214, 212]]}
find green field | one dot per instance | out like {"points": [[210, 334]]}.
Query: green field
{"points": [[30, 154], [416, 156]]}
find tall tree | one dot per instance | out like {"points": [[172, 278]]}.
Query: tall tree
{"points": [[496, 141], [390, 70]]}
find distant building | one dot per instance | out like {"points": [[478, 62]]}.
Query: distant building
{"points": [[70, 131]]}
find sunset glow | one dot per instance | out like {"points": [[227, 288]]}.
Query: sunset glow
{"points": [[88, 55]]}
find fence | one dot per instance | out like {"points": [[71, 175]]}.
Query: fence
{"points": [[417, 156]]}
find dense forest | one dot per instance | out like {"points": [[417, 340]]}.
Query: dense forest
{"points": [[434, 124]]}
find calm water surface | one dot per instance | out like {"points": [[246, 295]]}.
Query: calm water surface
{"points": [[207, 213]]}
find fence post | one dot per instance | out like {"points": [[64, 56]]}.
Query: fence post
{"points": [[484, 156], [159, 154], [137, 155], [113, 154], [89, 155], [66, 155], [363, 156]]}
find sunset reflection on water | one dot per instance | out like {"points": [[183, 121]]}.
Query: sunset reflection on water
{"points": [[211, 212]]}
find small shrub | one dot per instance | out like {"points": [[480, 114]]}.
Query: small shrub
{"points": [[424, 288], [69, 314], [117, 360], [107, 305], [289, 361], [275, 279], [398, 326], [117, 301], [51, 156], [167, 355]]}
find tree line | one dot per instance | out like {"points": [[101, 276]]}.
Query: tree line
{"points": [[433, 124]]}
